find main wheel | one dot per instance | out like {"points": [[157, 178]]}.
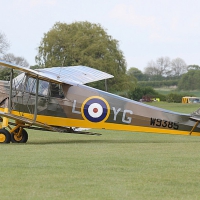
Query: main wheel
{"points": [[5, 136], [19, 137]]}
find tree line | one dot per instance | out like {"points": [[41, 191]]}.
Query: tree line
{"points": [[88, 44], [186, 79]]}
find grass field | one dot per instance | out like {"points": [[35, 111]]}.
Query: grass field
{"points": [[116, 165]]}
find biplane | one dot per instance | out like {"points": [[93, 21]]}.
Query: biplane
{"points": [[57, 99]]}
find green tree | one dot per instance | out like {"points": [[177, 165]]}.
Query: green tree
{"points": [[194, 67], [134, 72], [4, 74], [84, 43], [190, 80], [35, 67]]}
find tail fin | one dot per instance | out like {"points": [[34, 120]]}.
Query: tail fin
{"points": [[196, 115]]}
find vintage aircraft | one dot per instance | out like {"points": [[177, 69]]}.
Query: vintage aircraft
{"points": [[56, 99]]}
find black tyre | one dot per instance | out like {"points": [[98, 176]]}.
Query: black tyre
{"points": [[5, 136], [19, 138]]}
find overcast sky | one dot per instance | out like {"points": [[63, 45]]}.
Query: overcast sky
{"points": [[145, 29]]}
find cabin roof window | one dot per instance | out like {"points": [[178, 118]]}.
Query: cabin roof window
{"points": [[18, 81]]}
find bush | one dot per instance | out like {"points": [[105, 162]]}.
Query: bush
{"points": [[162, 97], [138, 92], [174, 98]]}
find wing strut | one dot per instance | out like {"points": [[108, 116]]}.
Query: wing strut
{"points": [[8, 103], [196, 124], [36, 99], [10, 93]]}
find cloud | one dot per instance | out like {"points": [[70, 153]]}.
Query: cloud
{"points": [[126, 13], [161, 22], [28, 4], [34, 3]]}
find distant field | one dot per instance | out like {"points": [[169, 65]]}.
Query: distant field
{"points": [[166, 91], [116, 165], [177, 107]]}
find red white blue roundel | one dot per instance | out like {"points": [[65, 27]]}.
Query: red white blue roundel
{"points": [[95, 109]]}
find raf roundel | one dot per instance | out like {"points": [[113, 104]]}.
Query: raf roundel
{"points": [[95, 109]]}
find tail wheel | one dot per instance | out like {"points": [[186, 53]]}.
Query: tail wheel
{"points": [[19, 136], [5, 136]]}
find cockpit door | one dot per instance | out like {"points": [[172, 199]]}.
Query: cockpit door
{"points": [[25, 99], [56, 96]]}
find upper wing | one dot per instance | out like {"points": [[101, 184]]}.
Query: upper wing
{"points": [[75, 74], [71, 75]]}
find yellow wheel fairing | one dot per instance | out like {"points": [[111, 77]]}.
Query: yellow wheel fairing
{"points": [[95, 109], [2, 138], [17, 137]]}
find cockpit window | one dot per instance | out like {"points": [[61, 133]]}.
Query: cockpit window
{"points": [[30, 86], [43, 87]]}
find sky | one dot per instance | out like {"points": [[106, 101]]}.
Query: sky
{"points": [[145, 29]]}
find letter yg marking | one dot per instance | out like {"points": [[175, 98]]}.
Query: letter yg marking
{"points": [[115, 112], [128, 120]]}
